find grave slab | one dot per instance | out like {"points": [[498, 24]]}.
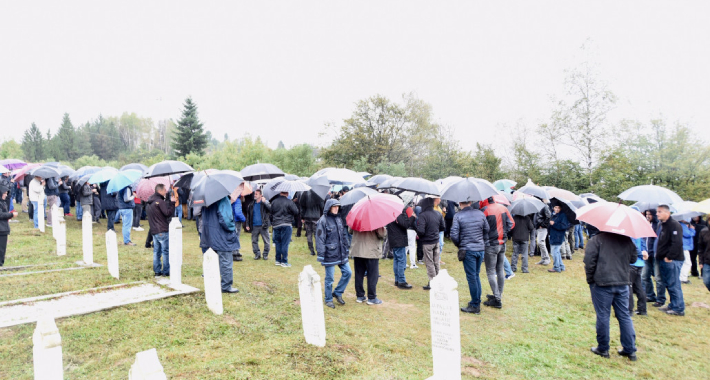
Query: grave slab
{"points": [[213, 287], [445, 327], [47, 350], [313, 316], [147, 367]]}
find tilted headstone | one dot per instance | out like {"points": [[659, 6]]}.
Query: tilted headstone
{"points": [[87, 239], [40, 213], [60, 228], [47, 350], [55, 218], [311, 294], [175, 252], [445, 327], [112, 253], [213, 287], [147, 367]]}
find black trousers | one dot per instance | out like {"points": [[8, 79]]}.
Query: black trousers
{"points": [[637, 289], [420, 251], [694, 262], [110, 215], [372, 268], [137, 211], [3, 248], [449, 223]]}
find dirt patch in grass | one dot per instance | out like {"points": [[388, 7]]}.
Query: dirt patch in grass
{"points": [[471, 366], [700, 304]]}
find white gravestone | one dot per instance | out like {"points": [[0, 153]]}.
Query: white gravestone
{"points": [[445, 327], [311, 294], [55, 218], [87, 239], [175, 252], [40, 213], [147, 367], [60, 228], [47, 350], [112, 253], [213, 287]]}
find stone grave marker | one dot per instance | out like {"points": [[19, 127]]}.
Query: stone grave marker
{"points": [[55, 218], [147, 367], [47, 350], [60, 228], [213, 287], [40, 213], [87, 238], [112, 253], [445, 327], [311, 294], [175, 255]]}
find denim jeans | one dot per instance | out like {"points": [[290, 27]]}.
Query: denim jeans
{"points": [[604, 298], [660, 282], [578, 236], [161, 250], [178, 212], [558, 266], [399, 263], [506, 266], [345, 274], [64, 198], [706, 276], [79, 211], [441, 242], [671, 276], [35, 207], [282, 238], [225, 269], [127, 220], [472, 267], [110, 219], [647, 275]]}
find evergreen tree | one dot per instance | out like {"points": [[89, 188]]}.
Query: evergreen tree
{"points": [[189, 136], [33, 144], [65, 143]]}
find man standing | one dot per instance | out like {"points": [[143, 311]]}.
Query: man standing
{"points": [[36, 189], [257, 220], [311, 211], [542, 221], [606, 264], [704, 255], [429, 224], [64, 197], [51, 190], [125, 210], [218, 233], [670, 257], [650, 267], [332, 247], [160, 212], [558, 227], [109, 203], [283, 212], [520, 235], [469, 231], [238, 220], [398, 242], [500, 222]]}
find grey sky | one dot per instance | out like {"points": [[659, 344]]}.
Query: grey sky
{"points": [[283, 69]]}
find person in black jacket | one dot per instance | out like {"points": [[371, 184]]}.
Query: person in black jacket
{"points": [[651, 271], [429, 224], [520, 235], [398, 242], [311, 210], [258, 224], [704, 255], [606, 264], [541, 221], [5, 216], [698, 223], [283, 212], [670, 258], [109, 203], [160, 212], [64, 198]]}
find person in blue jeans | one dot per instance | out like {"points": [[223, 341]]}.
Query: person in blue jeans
{"points": [[398, 241], [160, 212], [125, 210], [469, 232], [670, 258], [218, 233], [283, 214], [332, 250], [558, 226], [578, 236], [649, 273], [606, 265]]}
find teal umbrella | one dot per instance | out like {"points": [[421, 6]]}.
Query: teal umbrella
{"points": [[123, 179], [103, 175], [505, 185]]}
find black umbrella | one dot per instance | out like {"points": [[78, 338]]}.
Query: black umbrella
{"points": [[378, 179], [353, 196], [134, 166], [468, 190], [81, 181], [417, 185], [167, 168], [319, 185], [185, 182], [261, 171], [526, 206], [216, 186], [45, 172], [567, 207]]}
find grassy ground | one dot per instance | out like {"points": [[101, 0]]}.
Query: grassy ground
{"points": [[544, 330]]}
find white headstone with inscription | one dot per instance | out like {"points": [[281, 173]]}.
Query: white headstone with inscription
{"points": [[60, 228], [213, 287], [175, 255], [40, 212], [112, 253], [311, 294], [87, 239], [47, 350], [147, 367], [445, 327]]}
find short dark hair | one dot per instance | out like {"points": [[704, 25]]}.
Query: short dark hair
{"points": [[258, 191], [665, 207], [159, 187]]}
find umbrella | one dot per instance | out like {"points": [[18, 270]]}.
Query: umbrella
{"points": [[53, 164], [81, 181], [261, 171], [373, 212], [616, 218], [526, 206], [469, 190], [685, 210], [287, 186], [45, 172], [580, 203], [340, 176], [185, 181], [417, 185], [146, 186], [122, 180], [643, 206], [518, 195], [505, 185], [82, 171], [531, 189], [588, 196], [563, 194], [65, 171], [442, 183], [388, 183], [135, 166], [4, 170], [216, 186], [248, 189], [292, 177], [703, 207], [319, 185], [501, 199], [103, 175], [24, 171], [567, 207], [355, 195], [167, 168], [378, 179], [507, 195], [12, 164], [651, 193]]}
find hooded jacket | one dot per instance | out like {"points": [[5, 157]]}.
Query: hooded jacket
{"points": [[500, 222], [470, 229], [108, 201], [331, 239], [86, 197], [429, 223], [5, 214], [688, 236], [237, 212], [311, 206], [397, 230], [265, 209], [51, 187], [283, 211], [160, 211], [607, 258], [523, 226], [558, 229], [670, 240], [218, 229]]}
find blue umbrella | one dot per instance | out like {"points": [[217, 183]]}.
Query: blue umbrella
{"points": [[504, 185], [122, 180], [103, 175]]}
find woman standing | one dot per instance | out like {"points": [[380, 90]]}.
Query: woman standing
{"points": [[366, 249], [5, 216]]}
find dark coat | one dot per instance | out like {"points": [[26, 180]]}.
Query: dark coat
{"points": [[331, 239], [122, 204], [311, 206], [160, 212], [470, 229], [523, 226], [670, 240], [607, 258], [500, 222], [51, 187], [557, 230], [698, 227], [542, 218], [429, 223], [265, 211], [108, 201], [86, 196], [218, 231], [651, 241], [5, 216], [397, 230], [283, 211], [704, 248]]}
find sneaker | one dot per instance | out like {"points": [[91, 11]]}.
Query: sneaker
{"points": [[138, 229], [339, 299], [471, 309], [330, 304], [285, 265], [686, 282], [543, 262], [553, 271], [132, 244], [511, 276], [404, 285], [376, 301], [676, 313], [361, 299], [640, 312], [69, 214], [413, 266], [427, 287], [278, 264], [420, 262], [257, 257], [526, 271], [490, 297]]}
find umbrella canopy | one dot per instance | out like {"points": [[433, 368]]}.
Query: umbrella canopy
{"points": [[261, 171], [650, 193], [616, 218], [216, 186], [580, 203], [167, 168], [531, 189], [146, 186], [378, 179], [518, 195], [135, 166], [592, 196], [44, 172], [369, 184], [340, 176], [84, 179], [685, 211], [12, 164], [469, 190], [643, 206], [703, 207], [82, 171], [373, 212], [103, 175], [501, 199], [185, 181], [247, 188], [292, 177], [122, 180], [526, 206], [65, 171], [505, 185], [364, 174], [24, 171], [443, 182], [287, 186], [417, 185], [4, 170], [53, 164], [355, 195], [563, 194], [567, 208], [388, 183], [320, 185], [507, 195]]}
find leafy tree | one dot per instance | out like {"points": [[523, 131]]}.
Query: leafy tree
{"points": [[189, 136], [34, 145], [10, 149]]}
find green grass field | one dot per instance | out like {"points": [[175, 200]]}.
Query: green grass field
{"points": [[544, 330]]}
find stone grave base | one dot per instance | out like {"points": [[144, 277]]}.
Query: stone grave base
{"points": [[20, 267], [83, 264]]}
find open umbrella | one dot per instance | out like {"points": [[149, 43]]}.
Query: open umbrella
{"points": [[566, 206], [44, 172], [167, 168], [82, 171], [443, 182], [340, 176], [651, 193], [135, 166], [20, 174], [261, 171], [81, 181], [373, 212], [146, 186], [247, 188], [417, 185], [505, 185], [703, 207], [378, 179], [501, 199], [103, 175], [287, 186], [563, 194], [616, 218], [216, 186], [355, 195], [643, 206], [122, 180], [65, 171], [531, 189], [685, 211], [319, 185], [580, 203], [12, 164], [469, 190], [4, 170], [388, 183], [526, 206]]}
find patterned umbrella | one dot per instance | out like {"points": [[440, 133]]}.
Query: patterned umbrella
{"points": [[146, 187]]}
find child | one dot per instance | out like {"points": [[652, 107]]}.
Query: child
{"points": [[5, 216]]}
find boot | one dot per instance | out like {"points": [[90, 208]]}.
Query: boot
{"points": [[265, 257], [310, 248], [257, 256]]}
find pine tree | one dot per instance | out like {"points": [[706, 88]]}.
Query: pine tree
{"points": [[65, 144], [189, 136], [33, 144]]}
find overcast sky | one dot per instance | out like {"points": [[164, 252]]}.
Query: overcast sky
{"points": [[282, 69]]}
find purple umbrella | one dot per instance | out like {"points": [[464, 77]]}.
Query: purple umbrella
{"points": [[12, 163]]}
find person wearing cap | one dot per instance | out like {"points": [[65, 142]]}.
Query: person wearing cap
{"points": [[5, 216], [429, 224], [332, 248]]}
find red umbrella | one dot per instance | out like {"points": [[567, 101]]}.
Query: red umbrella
{"points": [[146, 187], [375, 211], [20, 173], [616, 218]]}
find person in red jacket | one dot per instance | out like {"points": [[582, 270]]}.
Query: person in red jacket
{"points": [[500, 222]]}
